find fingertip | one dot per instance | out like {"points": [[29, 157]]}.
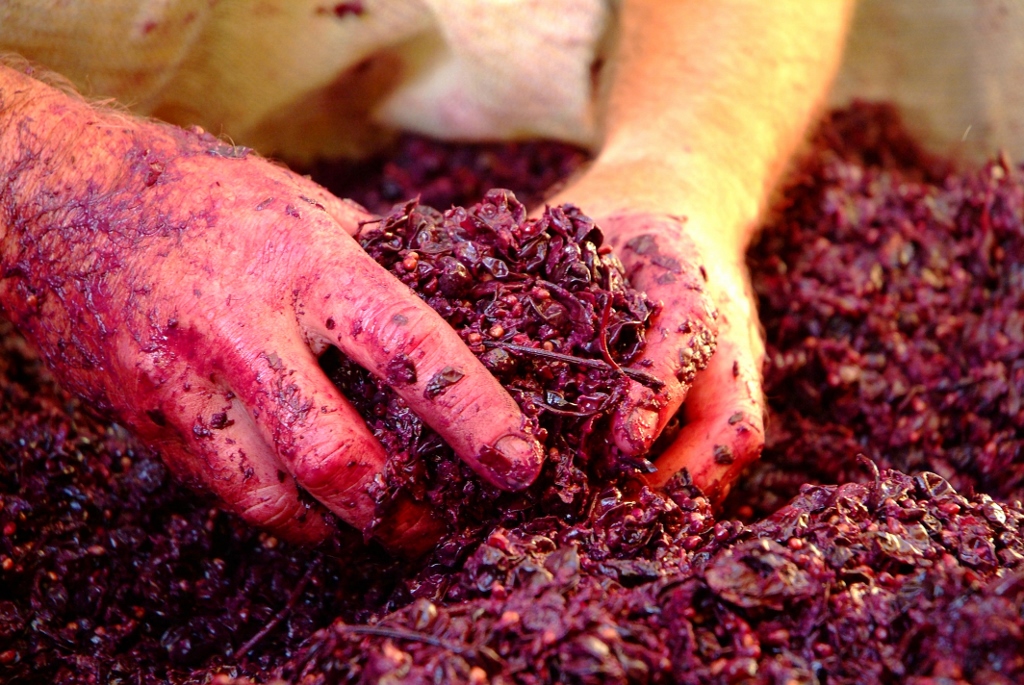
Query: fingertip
{"points": [[231, 460], [514, 461], [442, 381], [641, 418], [636, 432]]}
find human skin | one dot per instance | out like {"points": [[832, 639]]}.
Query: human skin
{"points": [[186, 286], [700, 122]]}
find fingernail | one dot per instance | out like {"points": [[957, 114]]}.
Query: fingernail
{"points": [[514, 461], [641, 427]]}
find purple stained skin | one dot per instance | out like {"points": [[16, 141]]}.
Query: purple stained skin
{"points": [[891, 289]]}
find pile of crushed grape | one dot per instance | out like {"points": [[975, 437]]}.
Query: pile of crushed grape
{"points": [[891, 289]]}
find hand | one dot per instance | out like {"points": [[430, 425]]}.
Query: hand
{"points": [[187, 287], [705, 345], [701, 105]]}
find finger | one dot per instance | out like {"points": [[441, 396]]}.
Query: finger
{"points": [[724, 417], [383, 326], [663, 261], [222, 449], [324, 444], [318, 437]]}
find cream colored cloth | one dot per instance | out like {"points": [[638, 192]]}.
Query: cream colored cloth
{"points": [[315, 77], [954, 67]]}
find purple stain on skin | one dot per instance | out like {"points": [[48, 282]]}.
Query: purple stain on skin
{"points": [[647, 245]]}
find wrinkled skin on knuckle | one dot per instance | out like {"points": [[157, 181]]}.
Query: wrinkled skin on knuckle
{"points": [[410, 331], [269, 506], [339, 470], [283, 252], [388, 329]]}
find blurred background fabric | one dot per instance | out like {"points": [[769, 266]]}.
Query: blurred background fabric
{"points": [[316, 78], [307, 78], [955, 69]]}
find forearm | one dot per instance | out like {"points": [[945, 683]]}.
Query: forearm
{"points": [[708, 99], [704, 103]]}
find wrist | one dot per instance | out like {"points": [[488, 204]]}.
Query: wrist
{"points": [[719, 211]]}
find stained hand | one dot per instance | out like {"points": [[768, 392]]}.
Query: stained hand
{"points": [[187, 287], [705, 345]]}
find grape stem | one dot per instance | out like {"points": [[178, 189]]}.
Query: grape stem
{"points": [[637, 375]]}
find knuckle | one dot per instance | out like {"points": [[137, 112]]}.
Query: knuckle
{"points": [[270, 506], [421, 335], [661, 256], [475, 392], [336, 468], [700, 315], [314, 470], [293, 405], [699, 343], [285, 261], [401, 328]]}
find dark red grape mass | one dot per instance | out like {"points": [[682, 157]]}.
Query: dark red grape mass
{"points": [[891, 289]]}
